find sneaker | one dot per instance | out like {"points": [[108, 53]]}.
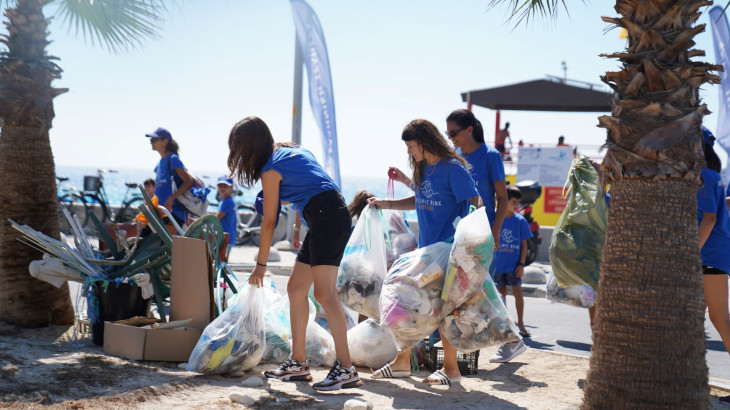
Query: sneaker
{"points": [[508, 352], [339, 378], [290, 370]]}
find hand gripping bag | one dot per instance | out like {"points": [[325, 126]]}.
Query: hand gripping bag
{"points": [[236, 339], [481, 321], [577, 242], [469, 260], [410, 302], [371, 345], [363, 267]]}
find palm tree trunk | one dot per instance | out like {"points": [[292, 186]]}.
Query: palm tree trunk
{"points": [[649, 344], [27, 168], [648, 337]]}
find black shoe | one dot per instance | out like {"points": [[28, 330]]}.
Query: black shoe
{"points": [[725, 400], [291, 370], [339, 378]]}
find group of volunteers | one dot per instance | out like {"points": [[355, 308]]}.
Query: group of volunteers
{"points": [[447, 181]]}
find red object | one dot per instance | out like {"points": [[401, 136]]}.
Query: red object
{"points": [[554, 201], [496, 127]]}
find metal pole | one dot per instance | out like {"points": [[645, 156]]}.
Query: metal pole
{"points": [[296, 124]]}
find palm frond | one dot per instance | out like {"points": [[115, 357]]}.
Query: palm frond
{"points": [[117, 24], [523, 10]]}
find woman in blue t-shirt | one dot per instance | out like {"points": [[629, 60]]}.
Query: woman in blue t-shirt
{"points": [[168, 168], [714, 237], [291, 174], [443, 192]]}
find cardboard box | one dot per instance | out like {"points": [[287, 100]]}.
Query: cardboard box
{"points": [[191, 298], [138, 343]]}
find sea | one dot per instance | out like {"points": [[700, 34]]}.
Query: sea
{"points": [[114, 184]]}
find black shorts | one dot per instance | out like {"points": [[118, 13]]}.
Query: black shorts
{"points": [[709, 270], [500, 148], [329, 226]]}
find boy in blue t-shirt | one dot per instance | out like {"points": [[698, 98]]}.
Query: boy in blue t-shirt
{"points": [[227, 211], [511, 254]]}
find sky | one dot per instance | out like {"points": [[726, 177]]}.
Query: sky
{"points": [[219, 61]]}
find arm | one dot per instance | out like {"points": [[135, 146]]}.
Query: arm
{"points": [[270, 181], [403, 204], [523, 256], [295, 236], [476, 201], [220, 215], [500, 188], [708, 222], [187, 182]]}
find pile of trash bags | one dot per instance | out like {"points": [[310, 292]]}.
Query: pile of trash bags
{"points": [[576, 245]]}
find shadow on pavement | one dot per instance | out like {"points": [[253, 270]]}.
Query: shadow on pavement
{"points": [[534, 344], [586, 347], [715, 345], [505, 378]]}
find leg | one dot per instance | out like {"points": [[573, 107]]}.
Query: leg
{"points": [[401, 363], [298, 290], [716, 297], [503, 292], [520, 306], [325, 291], [451, 368], [592, 314]]}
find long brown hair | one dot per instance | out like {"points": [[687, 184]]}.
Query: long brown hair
{"points": [[251, 145], [359, 202], [431, 140]]}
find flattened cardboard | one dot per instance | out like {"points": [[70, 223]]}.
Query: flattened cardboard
{"points": [[191, 289]]}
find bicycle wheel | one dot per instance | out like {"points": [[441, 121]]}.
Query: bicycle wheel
{"points": [[247, 219], [93, 201], [76, 206], [129, 210]]}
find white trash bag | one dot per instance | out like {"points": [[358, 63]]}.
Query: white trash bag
{"points": [[371, 345]]}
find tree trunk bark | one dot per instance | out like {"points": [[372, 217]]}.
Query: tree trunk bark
{"points": [[28, 197], [648, 338]]}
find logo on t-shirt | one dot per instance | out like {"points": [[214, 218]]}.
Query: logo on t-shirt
{"points": [[507, 236], [426, 189]]}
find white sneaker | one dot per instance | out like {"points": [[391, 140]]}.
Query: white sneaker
{"points": [[508, 352]]}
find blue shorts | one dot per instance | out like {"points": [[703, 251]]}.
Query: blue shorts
{"points": [[506, 279]]}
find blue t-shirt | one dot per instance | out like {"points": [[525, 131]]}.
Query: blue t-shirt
{"points": [[163, 183], [711, 198], [486, 169], [442, 197], [302, 177], [228, 205], [515, 229]]}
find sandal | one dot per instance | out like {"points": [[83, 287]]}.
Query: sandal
{"points": [[439, 377], [525, 333], [387, 373]]}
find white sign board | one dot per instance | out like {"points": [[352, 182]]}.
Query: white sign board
{"points": [[548, 166]]}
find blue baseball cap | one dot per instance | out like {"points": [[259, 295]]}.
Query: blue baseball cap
{"points": [[160, 133], [223, 179], [707, 136], [259, 205]]}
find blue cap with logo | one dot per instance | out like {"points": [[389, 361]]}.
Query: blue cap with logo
{"points": [[259, 205], [160, 133], [223, 179]]}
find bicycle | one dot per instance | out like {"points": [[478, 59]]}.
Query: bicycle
{"points": [[130, 204], [68, 199]]}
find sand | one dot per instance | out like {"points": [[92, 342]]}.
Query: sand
{"points": [[50, 368]]}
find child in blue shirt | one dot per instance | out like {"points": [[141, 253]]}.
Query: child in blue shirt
{"points": [[227, 211], [511, 254]]}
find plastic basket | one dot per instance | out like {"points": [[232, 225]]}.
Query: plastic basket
{"points": [[434, 358], [92, 183]]}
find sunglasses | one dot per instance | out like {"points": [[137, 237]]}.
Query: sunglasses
{"points": [[154, 139], [452, 134]]}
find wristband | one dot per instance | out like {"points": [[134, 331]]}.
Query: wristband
{"points": [[260, 264], [520, 264]]}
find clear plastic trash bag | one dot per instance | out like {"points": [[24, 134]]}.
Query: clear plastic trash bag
{"points": [[482, 321], [319, 346], [410, 302], [469, 260], [576, 295], [235, 340], [577, 242], [363, 267], [278, 327], [371, 345], [402, 239]]}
